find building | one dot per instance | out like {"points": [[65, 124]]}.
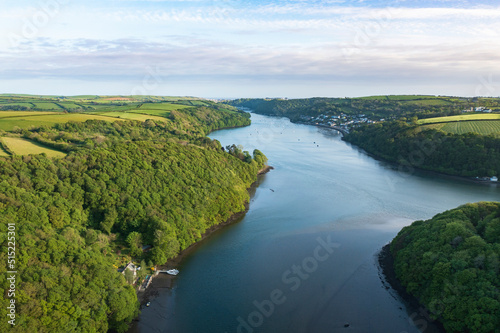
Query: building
{"points": [[494, 179], [132, 267]]}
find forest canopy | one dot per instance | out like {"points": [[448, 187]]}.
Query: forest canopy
{"points": [[122, 186], [470, 155], [451, 264]]}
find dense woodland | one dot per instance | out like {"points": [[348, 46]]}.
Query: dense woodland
{"points": [[376, 107], [451, 264], [410, 146], [122, 185]]}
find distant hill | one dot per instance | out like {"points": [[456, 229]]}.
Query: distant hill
{"points": [[375, 107]]}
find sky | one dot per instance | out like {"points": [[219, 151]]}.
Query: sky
{"points": [[242, 48]]}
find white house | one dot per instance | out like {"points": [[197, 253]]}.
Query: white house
{"points": [[132, 267], [494, 179]]}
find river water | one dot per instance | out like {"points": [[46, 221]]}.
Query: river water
{"points": [[303, 259]]}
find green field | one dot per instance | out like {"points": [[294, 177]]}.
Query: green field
{"points": [[8, 124], [49, 110], [483, 127], [131, 116], [9, 114], [27, 105], [163, 106], [47, 106], [411, 97], [428, 102], [159, 113], [22, 146], [70, 105], [198, 103], [482, 116], [2, 151]]}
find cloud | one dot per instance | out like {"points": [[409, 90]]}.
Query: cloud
{"points": [[312, 41], [130, 58]]}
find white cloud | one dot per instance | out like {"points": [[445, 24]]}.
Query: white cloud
{"points": [[315, 40]]}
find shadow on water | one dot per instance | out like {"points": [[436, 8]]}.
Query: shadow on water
{"points": [[322, 191]]}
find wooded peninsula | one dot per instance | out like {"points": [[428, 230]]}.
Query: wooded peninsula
{"points": [[123, 190]]}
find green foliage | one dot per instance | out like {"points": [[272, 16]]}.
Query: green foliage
{"points": [[450, 263], [470, 155], [375, 107], [121, 186], [482, 127]]}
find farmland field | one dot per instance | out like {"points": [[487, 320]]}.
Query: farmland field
{"points": [[163, 106], [432, 101], [9, 114], [485, 116], [22, 146], [2, 151], [410, 97], [198, 103], [159, 113], [483, 127], [70, 105], [10, 105], [47, 106], [8, 124], [130, 115]]}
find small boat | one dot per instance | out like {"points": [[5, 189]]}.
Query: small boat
{"points": [[148, 303], [173, 272]]}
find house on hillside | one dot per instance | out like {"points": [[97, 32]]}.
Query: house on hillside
{"points": [[131, 267]]}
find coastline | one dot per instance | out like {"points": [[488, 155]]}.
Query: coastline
{"points": [[395, 165], [390, 280], [163, 281], [419, 169]]}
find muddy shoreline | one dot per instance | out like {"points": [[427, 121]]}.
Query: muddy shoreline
{"points": [[413, 305], [162, 281]]}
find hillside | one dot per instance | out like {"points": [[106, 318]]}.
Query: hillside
{"points": [[450, 263], [374, 107], [122, 185], [413, 146]]}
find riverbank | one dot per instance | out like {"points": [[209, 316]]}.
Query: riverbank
{"points": [[410, 169], [162, 281], [396, 166], [406, 170], [414, 307]]}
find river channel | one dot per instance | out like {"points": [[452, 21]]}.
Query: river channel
{"points": [[304, 257]]}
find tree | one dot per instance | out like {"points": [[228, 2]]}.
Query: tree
{"points": [[134, 240]]}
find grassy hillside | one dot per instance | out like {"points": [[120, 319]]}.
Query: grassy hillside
{"points": [[47, 119], [414, 146], [374, 107], [3, 152], [482, 127], [130, 115], [463, 117], [21, 146], [120, 185]]}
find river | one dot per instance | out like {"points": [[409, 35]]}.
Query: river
{"points": [[304, 257]]}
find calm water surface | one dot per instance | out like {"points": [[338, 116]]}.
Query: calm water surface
{"points": [[303, 259]]}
